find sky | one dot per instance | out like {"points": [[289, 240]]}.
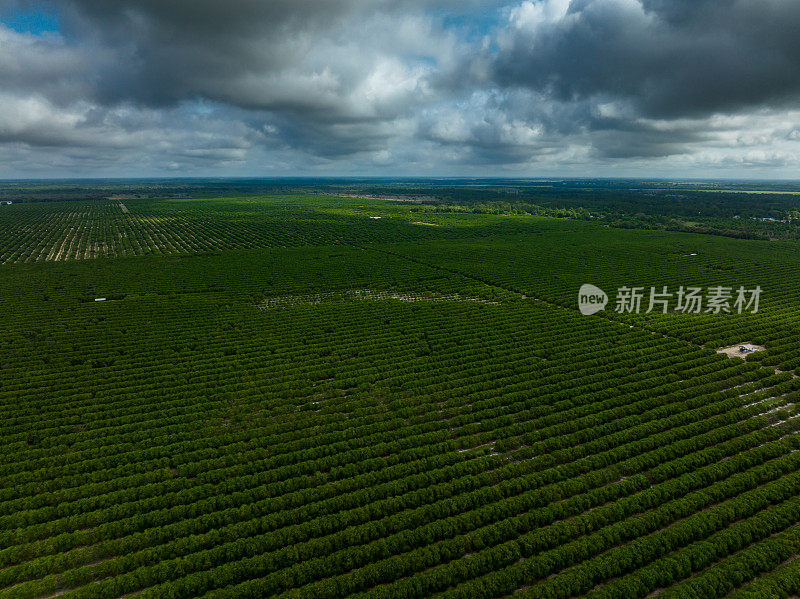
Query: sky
{"points": [[589, 88]]}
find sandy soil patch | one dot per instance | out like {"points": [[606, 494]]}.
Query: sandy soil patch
{"points": [[734, 351], [365, 295], [419, 222], [410, 199]]}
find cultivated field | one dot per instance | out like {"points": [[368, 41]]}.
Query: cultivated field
{"points": [[286, 396]]}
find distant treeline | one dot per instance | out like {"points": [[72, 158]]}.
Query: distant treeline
{"points": [[751, 209]]}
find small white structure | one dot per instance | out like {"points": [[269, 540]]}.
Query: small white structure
{"points": [[99, 299], [6, 202]]}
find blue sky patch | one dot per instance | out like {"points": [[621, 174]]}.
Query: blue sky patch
{"points": [[36, 22]]}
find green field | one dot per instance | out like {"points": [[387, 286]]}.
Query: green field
{"points": [[284, 395]]}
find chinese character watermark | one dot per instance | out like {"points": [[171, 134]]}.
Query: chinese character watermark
{"points": [[717, 299]]}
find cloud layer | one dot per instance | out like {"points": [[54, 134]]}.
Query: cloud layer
{"points": [[593, 87]]}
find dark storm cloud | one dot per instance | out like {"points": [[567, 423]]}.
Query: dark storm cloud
{"points": [[641, 143], [304, 56], [170, 50], [670, 58]]}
